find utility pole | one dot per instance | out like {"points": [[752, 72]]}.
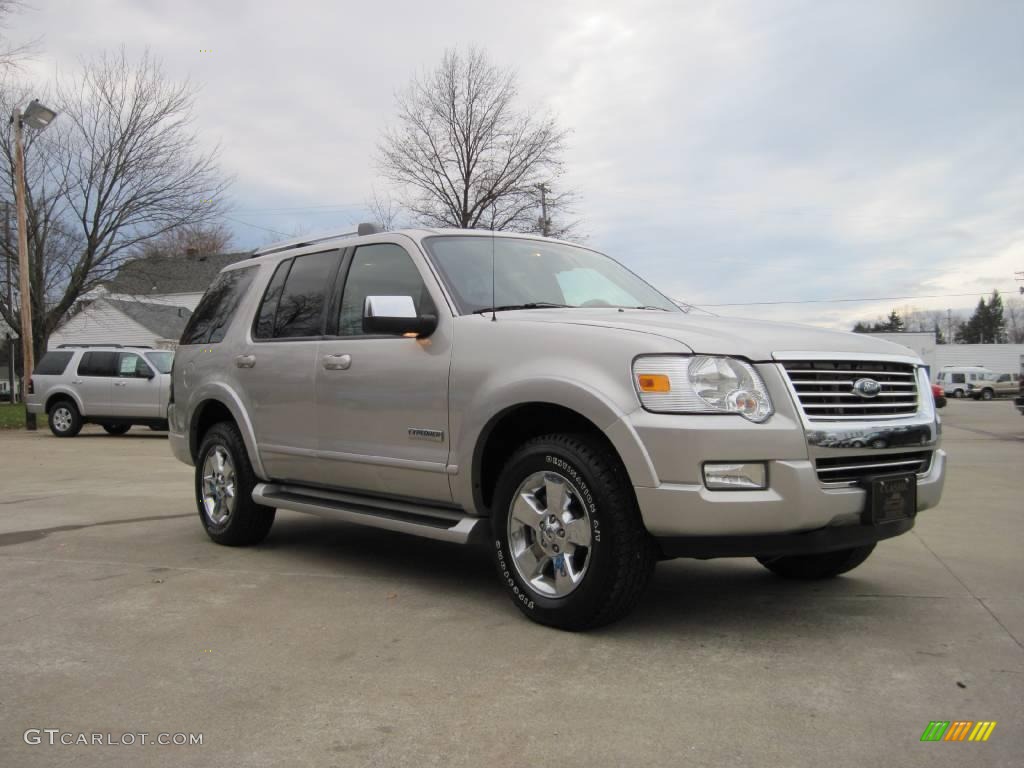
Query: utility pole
{"points": [[27, 361], [10, 298], [949, 326], [545, 222]]}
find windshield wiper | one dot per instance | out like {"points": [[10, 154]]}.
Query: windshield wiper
{"points": [[648, 306], [528, 305]]}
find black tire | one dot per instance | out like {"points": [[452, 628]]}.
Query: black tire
{"points": [[958, 393], [621, 555], [61, 413], [987, 394], [249, 522], [116, 429], [826, 565], [159, 427]]}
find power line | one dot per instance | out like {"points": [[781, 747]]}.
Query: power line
{"points": [[841, 301], [257, 226]]}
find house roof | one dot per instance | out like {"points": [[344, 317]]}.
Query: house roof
{"points": [[163, 320], [156, 275]]}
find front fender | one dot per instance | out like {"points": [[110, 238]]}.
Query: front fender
{"points": [[491, 404]]}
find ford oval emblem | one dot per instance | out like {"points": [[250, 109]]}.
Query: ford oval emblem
{"points": [[866, 388]]}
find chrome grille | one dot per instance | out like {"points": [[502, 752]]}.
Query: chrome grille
{"points": [[850, 469], [826, 393]]}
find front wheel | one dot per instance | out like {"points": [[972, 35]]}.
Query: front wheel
{"points": [[116, 429], [987, 394], [825, 565], [958, 393], [224, 483], [569, 542]]}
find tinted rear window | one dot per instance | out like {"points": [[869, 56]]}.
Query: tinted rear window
{"points": [[268, 307], [53, 364], [98, 364], [210, 321], [300, 311]]}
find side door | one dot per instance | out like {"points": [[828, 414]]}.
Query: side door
{"points": [[277, 365], [136, 392], [94, 382], [382, 400]]}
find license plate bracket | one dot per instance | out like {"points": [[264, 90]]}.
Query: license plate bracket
{"points": [[890, 498]]}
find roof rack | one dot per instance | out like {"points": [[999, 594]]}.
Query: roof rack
{"points": [[302, 242], [113, 346]]}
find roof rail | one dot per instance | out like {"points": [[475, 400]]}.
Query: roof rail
{"points": [[302, 242]]}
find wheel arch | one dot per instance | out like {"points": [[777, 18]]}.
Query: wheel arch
{"points": [[515, 423], [221, 404], [63, 394]]}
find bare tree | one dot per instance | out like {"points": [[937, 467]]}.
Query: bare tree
{"points": [[119, 168], [462, 155], [1015, 320], [200, 239], [385, 210], [11, 54]]}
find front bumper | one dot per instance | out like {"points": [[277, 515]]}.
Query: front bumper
{"points": [[690, 518]]}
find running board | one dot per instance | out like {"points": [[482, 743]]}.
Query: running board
{"points": [[404, 517]]}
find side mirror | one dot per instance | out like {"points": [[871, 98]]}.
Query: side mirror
{"points": [[396, 315]]}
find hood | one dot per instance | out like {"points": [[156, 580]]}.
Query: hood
{"points": [[753, 339]]}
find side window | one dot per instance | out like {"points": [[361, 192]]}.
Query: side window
{"points": [[132, 366], [379, 270], [53, 364], [271, 298], [98, 364], [209, 322], [300, 309], [957, 378], [942, 377]]}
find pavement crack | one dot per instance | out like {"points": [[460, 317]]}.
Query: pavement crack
{"points": [[21, 537], [963, 584]]}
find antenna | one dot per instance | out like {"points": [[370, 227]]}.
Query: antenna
{"points": [[494, 300]]}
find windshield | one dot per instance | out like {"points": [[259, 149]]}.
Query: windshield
{"points": [[161, 360], [535, 273]]}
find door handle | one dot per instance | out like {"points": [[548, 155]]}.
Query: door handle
{"points": [[245, 361], [120, 383], [337, 362]]}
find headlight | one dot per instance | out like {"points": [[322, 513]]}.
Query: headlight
{"points": [[701, 384]]}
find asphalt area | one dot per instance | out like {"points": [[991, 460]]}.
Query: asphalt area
{"points": [[332, 644]]}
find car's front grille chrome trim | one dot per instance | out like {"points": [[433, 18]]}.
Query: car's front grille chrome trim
{"points": [[828, 390], [847, 470]]}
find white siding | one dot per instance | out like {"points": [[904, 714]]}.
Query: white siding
{"points": [[999, 358], [187, 300], [100, 323]]}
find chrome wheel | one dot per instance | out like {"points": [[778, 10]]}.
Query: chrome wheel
{"points": [[218, 486], [61, 418], [549, 534]]}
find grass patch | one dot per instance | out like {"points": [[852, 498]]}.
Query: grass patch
{"points": [[13, 417]]}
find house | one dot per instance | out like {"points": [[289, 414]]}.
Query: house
{"points": [[148, 302], [119, 321]]}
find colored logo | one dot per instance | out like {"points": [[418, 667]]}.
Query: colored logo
{"points": [[958, 730], [866, 388]]}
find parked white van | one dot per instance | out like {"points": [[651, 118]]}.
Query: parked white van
{"points": [[954, 378]]}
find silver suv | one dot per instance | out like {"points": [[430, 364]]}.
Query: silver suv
{"points": [[106, 384], [539, 397]]}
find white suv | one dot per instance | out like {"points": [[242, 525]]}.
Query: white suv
{"points": [[108, 384]]}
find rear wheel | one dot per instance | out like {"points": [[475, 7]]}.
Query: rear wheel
{"points": [[116, 429], [987, 394], [64, 419], [825, 565], [958, 393], [224, 482], [569, 542]]}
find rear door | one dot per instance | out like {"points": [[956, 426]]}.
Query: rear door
{"points": [[382, 401], [136, 390], [277, 370], [95, 382]]}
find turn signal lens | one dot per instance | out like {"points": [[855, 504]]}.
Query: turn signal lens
{"points": [[653, 382]]}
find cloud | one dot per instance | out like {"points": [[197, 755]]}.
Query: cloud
{"points": [[728, 151]]}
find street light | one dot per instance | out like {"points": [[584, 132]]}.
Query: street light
{"points": [[36, 116]]}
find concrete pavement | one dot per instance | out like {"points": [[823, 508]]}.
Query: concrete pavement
{"points": [[332, 644]]}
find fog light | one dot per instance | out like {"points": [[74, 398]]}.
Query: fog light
{"points": [[736, 477]]}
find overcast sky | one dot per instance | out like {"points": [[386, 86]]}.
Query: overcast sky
{"points": [[727, 151]]}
